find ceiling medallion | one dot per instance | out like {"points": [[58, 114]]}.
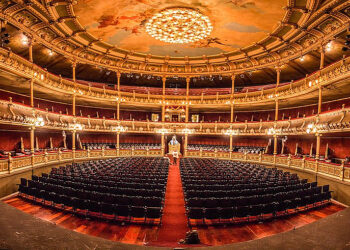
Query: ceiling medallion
{"points": [[179, 25]]}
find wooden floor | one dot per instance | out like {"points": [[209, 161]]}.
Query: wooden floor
{"points": [[148, 235]]}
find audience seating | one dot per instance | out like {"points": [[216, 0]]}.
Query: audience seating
{"points": [[140, 145], [226, 148], [121, 189], [219, 191], [92, 146]]}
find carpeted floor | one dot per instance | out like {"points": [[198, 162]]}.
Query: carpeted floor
{"points": [[174, 225]]}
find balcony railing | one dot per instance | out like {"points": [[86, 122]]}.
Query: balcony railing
{"points": [[20, 66]]}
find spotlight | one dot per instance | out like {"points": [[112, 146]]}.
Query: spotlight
{"points": [[329, 46], [25, 40], [50, 53], [302, 58]]}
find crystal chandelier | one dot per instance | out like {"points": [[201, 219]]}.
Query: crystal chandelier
{"points": [[179, 25]]}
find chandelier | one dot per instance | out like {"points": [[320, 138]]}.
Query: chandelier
{"points": [[179, 25]]}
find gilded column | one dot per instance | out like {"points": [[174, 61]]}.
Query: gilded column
{"points": [[163, 144], [275, 140], [185, 145], [232, 112], [322, 55], [319, 99], [276, 109], [118, 143], [32, 139], [318, 145], [32, 92], [73, 105]]}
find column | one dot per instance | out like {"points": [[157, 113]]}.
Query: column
{"points": [[74, 65], [231, 139], [232, 112], [233, 77], [32, 146], [164, 81], [187, 97], [319, 99], [163, 112], [318, 145], [73, 105], [275, 140], [118, 83], [163, 145], [278, 70], [73, 140], [118, 110], [118, 143], [322, 52], [185, 145], [32, 92], [276, 110], [30, 48]]}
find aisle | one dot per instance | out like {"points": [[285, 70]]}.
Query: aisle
{"points": [[174, 226]]}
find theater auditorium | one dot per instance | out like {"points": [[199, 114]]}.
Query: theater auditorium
{"points": [[187, 124]]}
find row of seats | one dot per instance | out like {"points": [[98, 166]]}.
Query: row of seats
{"points": [[226, 148], [90, 186], [243, 190], [140, 145]]}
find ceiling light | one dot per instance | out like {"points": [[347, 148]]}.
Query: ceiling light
{"points": [[24, 40], [329, 46], [179, 25], [302, 58]]}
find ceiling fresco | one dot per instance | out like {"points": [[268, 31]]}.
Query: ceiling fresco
{"points": [[237, 23]]}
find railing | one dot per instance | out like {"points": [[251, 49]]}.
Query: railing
{"points": [[14, 164], [18, 114], [20, 66], [336, 171]]}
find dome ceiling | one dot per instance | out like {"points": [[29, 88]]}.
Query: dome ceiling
{"points": [[237, 24]]}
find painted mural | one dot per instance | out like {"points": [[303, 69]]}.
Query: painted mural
{"points": [[237, 23]]}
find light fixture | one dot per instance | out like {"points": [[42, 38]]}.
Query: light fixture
{"points": [[50, 53], [302, 58], [311, 128], [119, 128], [39, 122], [274, 131], [179, 25], [329, 46], [25, 40], [76, 126], [162, 131], [230, 131], [187, 131]]}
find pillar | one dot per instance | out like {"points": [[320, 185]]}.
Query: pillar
{"points": [[187, 113], [233, 77], [276, 110], [118, 82], [73, 105], [163, 144], [73, 140], [231, 139], [32, 146], [188, 79], [164, 81], [185, 144], [118, 142], [232, 112], [30, 48], [319, 99], [163, 112], [318, 145], [278, 70], [32, 92], [74, 65], [118, 110], [322, 52], [275, 140]]}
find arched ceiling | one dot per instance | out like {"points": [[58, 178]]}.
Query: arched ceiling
{"points": [[250, 37], [237, 24]]}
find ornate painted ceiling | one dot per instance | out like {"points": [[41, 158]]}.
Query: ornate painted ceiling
{"points": [[251, 38], [237, 23]]}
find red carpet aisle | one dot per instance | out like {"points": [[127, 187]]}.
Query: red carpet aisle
{"points": [[174, 225]]}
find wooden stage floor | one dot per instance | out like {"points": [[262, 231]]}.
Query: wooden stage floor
{"points": [[148, 235]]}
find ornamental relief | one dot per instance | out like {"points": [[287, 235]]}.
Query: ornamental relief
{"points": [[330, 25], [47, 34], [26, 18], [153, 68], [175, 69], [288, 52], [307, 40]]}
